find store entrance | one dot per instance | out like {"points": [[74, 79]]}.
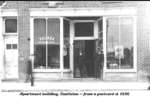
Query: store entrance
{"points": [[82, 37], [84, 58]]}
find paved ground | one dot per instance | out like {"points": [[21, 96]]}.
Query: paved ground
{"points": [[76, 84], [55, 88]]}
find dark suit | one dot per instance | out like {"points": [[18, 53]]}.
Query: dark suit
{"points": [[99, 60]]}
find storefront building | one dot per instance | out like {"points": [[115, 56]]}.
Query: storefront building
{"points": [[75, 40]]}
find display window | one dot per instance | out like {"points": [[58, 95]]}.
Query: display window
{"points": [[119, 43], [46, 43]]}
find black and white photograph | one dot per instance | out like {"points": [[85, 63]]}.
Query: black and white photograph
{"points": [[75, 48]]}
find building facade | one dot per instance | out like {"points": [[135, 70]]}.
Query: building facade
{"points": [[75, 40]]}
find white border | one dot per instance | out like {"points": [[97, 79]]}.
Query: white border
{"points": [[9, 12], [61, 45], [82, 11], [134, 45]]}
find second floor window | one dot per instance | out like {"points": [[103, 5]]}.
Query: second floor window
{"points": [[10, 25]]}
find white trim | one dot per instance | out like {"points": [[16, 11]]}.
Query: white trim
{"points": [[82, 11], [46, 43], [135, 42], [2, 74], [51, 70], [9, 12], [79, 8], [96, 29], [32, 40], [61, 46], [104, 45], [134, 45], [71, 47]]}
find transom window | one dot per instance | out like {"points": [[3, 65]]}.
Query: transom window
{"points": [[10, 25], [84, 29]]}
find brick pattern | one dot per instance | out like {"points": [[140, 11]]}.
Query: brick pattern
{"points": [[24, 35], [143, 49]]}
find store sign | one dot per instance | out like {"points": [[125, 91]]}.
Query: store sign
{"points": [[49, 39], [119, 52], [46, 32]]}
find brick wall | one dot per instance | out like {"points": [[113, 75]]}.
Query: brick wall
{"points": [[143, 44], [23, 35]]}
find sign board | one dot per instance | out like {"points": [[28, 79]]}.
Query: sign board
{"points": [[119, 52], [46, 32]]}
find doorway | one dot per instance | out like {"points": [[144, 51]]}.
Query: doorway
{"points": [[83, 49], [11, 57], [84, 58], [84, 39]]}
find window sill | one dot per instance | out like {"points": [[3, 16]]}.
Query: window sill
{"points": [[12, 34], [120, 70], [50, 70]]}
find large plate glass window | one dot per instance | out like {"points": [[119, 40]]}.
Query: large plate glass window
{"points": [[119, 42], [47, 43]]}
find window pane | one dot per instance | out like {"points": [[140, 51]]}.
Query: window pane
{"points": [[53, 34], [66, 50], [8, 46], [66, 28], [53, 56], [14, 46], [11, 26], [84, 29], [40, 43], [126, 41], [53, 37], [40, 56], [112, 42]]}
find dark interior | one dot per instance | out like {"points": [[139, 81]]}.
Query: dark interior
{"points": [[84, 58]]}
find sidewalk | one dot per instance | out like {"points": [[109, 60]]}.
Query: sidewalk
{"points": [[102, 85]]}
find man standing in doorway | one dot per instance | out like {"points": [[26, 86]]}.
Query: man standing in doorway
{"points": [[99, 60]]}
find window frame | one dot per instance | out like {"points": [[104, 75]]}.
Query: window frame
{"points": [[134, 69], [4, 21], [61, 69]]}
